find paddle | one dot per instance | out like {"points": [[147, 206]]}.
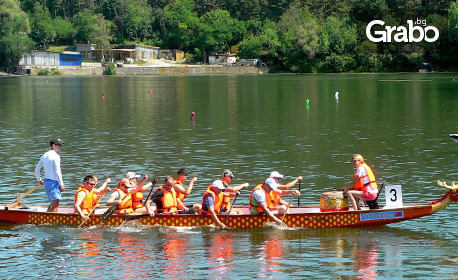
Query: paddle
{"points": [[287, 208], [18, 199], [299, 197], [152, 187], [92, 210], [232, 205], [114, 207]]}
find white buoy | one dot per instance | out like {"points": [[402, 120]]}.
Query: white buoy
{"points": [[337, 96]]}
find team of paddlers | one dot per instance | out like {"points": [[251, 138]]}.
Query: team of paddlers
{"points": [[128, 197]]}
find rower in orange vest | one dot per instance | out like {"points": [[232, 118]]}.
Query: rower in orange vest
{"points": [[137, 195], [122, 196], [182, 175], [119, 197], [166, 199], [86, 195], [227, 179], [264, 199], [212, 201]]}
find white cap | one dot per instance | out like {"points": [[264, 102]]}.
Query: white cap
{"points": [[218, 184], [131, 175], [271, 182], [275, 174]]}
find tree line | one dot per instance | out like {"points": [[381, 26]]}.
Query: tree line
{"points": [[289, 35]]}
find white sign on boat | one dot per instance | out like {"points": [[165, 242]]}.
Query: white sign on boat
{"points": [[393, 195]]}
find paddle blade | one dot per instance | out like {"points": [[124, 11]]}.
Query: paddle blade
{"points": [[135, 217], [109, 213]]}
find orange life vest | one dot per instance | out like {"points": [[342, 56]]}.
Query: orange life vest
{"points": [[217, 201], [88, 202], [271, 199], [126, 205], [181, 196], [168, 200], [372, 184], [226, 204], [137, 200]]}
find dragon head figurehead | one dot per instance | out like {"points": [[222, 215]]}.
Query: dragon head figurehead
{"points": [[453, 189]]}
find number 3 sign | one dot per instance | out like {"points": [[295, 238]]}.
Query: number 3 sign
{"points": [[393, 195]]}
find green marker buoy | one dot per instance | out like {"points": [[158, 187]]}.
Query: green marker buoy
{"points": [[307, 102]]}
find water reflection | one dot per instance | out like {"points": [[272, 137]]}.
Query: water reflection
{"points": [[220, 254], [175, 261], [90, 252], [133, 256], [364, 253], [267, 246]]}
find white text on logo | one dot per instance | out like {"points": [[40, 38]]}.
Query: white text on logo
{"points": [[401, 33]]}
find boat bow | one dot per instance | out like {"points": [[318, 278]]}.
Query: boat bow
{"points": [[447, 199]]}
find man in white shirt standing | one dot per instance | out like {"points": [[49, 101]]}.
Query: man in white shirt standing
{"points": [[53, 183]]}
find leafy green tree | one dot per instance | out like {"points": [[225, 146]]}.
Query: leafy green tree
{"points": [[322, 9], [243, 9], [65, 32], [218, 31], [132, 18], [368, 10], [437, 52], [337, 36], [453, 35], [250, 47], [205, 6], [264, 45], [337, 45], [138, 20], [43, 31], [14, 30], [181, 22], [299, 28], [93, 28], [274, 9], [453, 22], [101, 32]]}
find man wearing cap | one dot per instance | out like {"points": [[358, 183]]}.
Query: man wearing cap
{"points": [[263, 201], [212, 201], [227, 179], [277, 177], [122, 197], [137, 194], [53, 183]]}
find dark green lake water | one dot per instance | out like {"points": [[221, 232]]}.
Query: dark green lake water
{"points": [[252, 125]]}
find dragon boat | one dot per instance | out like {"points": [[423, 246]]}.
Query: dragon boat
{"points": [[300, 216]]}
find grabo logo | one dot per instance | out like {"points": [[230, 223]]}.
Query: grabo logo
{"points": [[401, 33]]}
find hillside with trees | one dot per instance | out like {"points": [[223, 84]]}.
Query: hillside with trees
{"points": [[288, 35]]}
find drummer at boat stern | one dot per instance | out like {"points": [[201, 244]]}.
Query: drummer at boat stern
{"points": [[363, 185]]}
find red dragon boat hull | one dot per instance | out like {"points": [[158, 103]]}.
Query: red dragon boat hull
{"points": [[301, 216]]}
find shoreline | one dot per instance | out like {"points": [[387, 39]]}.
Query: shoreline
{"points": [[95, 69]]}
